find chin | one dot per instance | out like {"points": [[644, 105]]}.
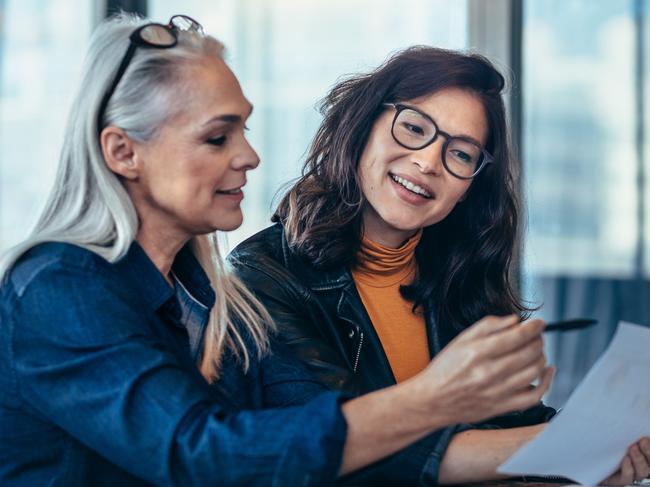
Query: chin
{"points": [[229, 224], [404, 225]]}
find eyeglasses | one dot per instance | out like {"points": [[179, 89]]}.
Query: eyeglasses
{"points": [[415, 130], [152, 35]]}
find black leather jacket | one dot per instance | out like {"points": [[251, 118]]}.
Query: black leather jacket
{"points": [[321, 318]]}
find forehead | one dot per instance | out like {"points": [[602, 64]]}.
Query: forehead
{"points": [[209, 87], [456, 111]]}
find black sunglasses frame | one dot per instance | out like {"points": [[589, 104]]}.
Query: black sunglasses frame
{"points": [[486, 157], [137, 40]]}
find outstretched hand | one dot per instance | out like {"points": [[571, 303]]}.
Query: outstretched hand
{"points": [[488, 369]]}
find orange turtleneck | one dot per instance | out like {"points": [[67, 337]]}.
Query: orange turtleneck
{"points": [[378, 277]]}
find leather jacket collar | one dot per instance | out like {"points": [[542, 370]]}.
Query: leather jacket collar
{"points": [[317, 279], [351, 310]]}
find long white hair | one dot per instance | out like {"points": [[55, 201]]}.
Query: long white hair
{"points": [[88, 205]]}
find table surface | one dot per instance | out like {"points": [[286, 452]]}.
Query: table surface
{"points": [[535, 483], [516, 483]]}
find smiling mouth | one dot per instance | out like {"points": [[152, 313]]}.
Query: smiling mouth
{"points": [[229, 191], [413, 188]]}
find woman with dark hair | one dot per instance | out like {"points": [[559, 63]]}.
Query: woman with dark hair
{"points": [[399, 235]]}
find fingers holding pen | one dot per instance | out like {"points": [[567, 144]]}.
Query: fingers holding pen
{"points": [[529, 396], [522, 378], [488, 369], [513, 338], [518, 358], [520, 361], [490, 325], [512, 371], [510, 347]]}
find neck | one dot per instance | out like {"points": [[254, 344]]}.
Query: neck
{"points": [[161, 246], [380, 232]]}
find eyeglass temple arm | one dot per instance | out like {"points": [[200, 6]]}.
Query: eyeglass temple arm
{"points": [[118, 76]]}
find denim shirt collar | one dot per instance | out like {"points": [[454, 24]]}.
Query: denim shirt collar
{"points": [[154, 289], [188, 270]]}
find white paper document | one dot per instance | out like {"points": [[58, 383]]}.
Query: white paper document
{"points": [[607, 412]]}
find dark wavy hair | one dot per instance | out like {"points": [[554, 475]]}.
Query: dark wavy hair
{"points": [[464, 261]]}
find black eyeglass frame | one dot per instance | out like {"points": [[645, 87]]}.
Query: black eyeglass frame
{"points": [[137, 40], [486, 157]]}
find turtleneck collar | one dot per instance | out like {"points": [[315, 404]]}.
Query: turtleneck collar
{"points": [[390, 265]]}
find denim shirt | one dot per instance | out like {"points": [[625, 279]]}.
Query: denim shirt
{"points": [[99, 384]]}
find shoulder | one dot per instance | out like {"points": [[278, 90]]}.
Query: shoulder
{"points": [[39, 263], [65, 294], [265, 245], [264, 255], [266, 265], [268, 254], [59, 292]]}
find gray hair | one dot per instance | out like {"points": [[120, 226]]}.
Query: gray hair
{"points": [[88, 205]]}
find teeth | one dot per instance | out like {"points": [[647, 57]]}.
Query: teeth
{"points": [[414, 188]]}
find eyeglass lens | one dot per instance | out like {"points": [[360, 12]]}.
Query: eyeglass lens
{"points": [[161, 35], [413, 130], [157, 35], [183, 22]]}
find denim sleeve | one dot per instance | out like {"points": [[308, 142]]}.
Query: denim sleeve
{"points": [[416, 465], [287, 381], [85, 360]]}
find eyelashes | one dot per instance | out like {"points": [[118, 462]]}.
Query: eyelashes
{"points": [[217, 141], [221, 140]]}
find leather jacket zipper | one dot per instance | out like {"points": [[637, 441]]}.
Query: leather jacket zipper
{"points": [[544, 478], [356, 360]]}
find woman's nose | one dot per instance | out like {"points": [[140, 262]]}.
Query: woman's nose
{"points": [[248, 158], [429, 159]]}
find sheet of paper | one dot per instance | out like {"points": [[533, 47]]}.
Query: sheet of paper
{"points": [[608, 411]]}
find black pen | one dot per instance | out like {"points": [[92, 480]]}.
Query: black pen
{"points": [[570, 324]]}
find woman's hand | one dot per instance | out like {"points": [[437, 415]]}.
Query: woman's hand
{"points": [[487, 370], [635, 464]]}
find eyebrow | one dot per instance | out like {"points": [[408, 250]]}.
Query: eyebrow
{"points": [[468, 137], [426, 115], [228, 118]]}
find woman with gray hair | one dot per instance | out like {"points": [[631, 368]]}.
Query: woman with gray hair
{"points": [[119, 292]]}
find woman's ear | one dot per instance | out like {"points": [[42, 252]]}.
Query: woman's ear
{"points": [[118, 151]]}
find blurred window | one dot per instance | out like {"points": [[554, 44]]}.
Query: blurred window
{"points": [[586, 165], [580, 141], [42, 43]]}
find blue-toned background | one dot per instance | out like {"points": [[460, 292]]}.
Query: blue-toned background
{"points": [[579, 117]]}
